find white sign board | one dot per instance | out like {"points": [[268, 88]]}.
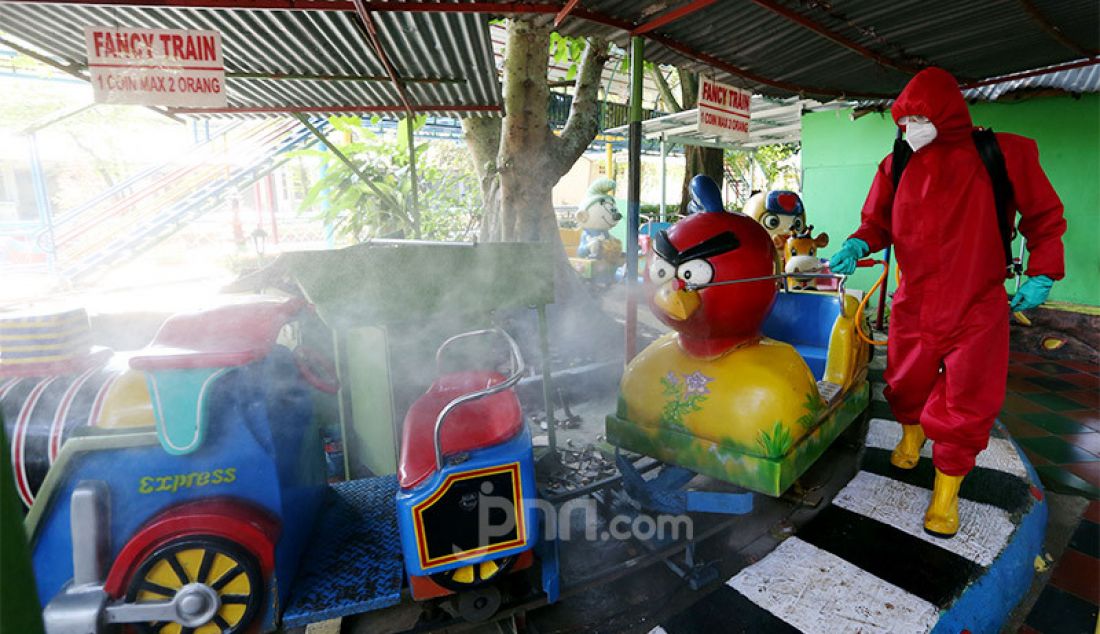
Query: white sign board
{"points": [[156, 67], [723, 110]]}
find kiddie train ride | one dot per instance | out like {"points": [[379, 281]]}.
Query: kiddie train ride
{"points": [[187, 492], [752, 384], [198, 502]]}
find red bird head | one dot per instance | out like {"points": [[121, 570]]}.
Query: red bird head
{"points": [[705, 248]]}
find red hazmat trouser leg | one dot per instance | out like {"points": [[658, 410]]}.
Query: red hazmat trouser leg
{"points": [[963, 406], [955, 407], [912, 368]]}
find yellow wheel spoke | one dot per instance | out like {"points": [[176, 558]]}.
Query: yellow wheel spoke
{"points": [[464, 574], [232, 613], [181, 573], [223, 568], [219, 567], [207, 563], [158, 589], [164, 576], [233, 582], [488, 568], [191, 561]]}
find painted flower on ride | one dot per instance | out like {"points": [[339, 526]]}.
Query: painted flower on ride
{"points": [[685, 393], [697, 383]]}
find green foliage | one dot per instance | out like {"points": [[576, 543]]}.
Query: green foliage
{"points": [[565, 50], [776, 443], [380, 206], [774, 161]]}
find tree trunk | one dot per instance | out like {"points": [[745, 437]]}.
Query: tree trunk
{"points": [[526, 176], [517, 178], [519, 160], [697, 160], [483, 140]]}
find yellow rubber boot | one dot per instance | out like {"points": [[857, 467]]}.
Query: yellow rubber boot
{"points": [[942, 517], [907, 453]]}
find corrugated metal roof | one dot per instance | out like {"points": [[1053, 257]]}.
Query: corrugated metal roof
{"points": [[1078, 80], [974, 40], [835, 48], [261, 44], [1074, 80]]}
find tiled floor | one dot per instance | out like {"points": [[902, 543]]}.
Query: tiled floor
{"points": [[1053, 411]]}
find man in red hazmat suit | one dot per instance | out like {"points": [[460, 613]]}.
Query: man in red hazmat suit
{"points": [[947, 359]]}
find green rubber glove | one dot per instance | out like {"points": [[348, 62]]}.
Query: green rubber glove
{"points": [[844, 260], [1032, 293]]}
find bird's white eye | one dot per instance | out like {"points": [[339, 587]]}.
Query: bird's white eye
{"points": [[661, 271], [695, 272], [796, 224], [771, 221]]}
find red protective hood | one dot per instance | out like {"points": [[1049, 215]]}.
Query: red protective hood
{"points": [[935, 94]]}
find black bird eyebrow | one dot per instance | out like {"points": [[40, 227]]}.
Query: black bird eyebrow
{"points": [[716, 245]]}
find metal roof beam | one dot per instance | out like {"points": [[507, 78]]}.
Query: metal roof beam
{"points": [[674, 132], [349, 6], [673, 15], [372, 37], [711, 60], [366, 78], [835, 37], [702, 142], [771, 113], [757, 143], [781, 130], [337, 109], [411, 6], [564, 13], [1056, 33]]}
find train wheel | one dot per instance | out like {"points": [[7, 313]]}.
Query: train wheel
{"points": [[479, 604], [222, 581], [474, 575]]}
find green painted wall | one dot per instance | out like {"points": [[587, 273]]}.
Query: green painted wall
{"points": [[839, 158]]}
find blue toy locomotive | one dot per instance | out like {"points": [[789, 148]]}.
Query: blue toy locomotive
{"points": [[216, 518]]}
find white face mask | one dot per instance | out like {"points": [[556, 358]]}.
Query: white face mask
{"points": [[919, 134]]}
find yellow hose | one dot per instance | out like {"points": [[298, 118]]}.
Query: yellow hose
{"points": [[863, 304]]}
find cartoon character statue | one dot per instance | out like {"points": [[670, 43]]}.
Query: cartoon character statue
{"points": [[596, 215], [799, 253], [779, 211]]}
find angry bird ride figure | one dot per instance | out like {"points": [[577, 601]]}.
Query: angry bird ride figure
{"points": [[715, 395], [779, 211]]}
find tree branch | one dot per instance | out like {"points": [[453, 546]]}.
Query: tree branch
{"points": [[689, 88], [482, 136], [664, 88], [583, 122]]}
